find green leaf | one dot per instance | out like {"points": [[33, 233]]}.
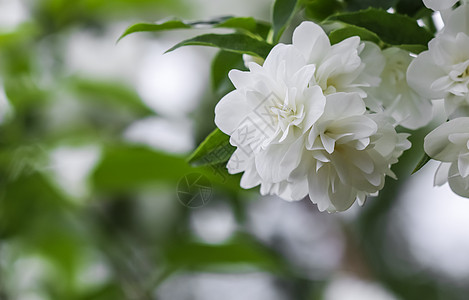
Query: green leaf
{"points": [[234, 42], [109, 92], [242, 252], [422, 163], [223, 62], [341, 34], [147, 27], [240, 23], [216, 148], [321, 9], [413, 48], [409, 7], [353, 5], [282, 14], [248, 24], [394, 29], [127, 167]]}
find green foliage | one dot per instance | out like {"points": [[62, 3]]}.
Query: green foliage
{"points": [[425, 159], [347, 31], [216, 148], [353, 5], [223, 62], [235, 42], [282, 14], [244, 24], [321, 9], [393, 29]]}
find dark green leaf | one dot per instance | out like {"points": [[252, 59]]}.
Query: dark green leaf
{"points": [[223, 62], [409, 7], [235, 42], [394, 29], [216, 148], [129, 167], [282, 14], [341, 34], [241, 252], [321, 9], [353, 5], [422, 163]]}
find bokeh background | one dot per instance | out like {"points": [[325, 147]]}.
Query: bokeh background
{"points": [[94, 137]]}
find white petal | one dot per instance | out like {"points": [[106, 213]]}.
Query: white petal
{"points": [[312, 41], [441, 174], [231, 111], [437, 144], [422, 73], [439, 4]]}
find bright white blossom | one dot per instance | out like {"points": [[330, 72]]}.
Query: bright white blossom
{"points": [[438, 5], [449, 143], [394, 97], [442, 72], [300, 124]]}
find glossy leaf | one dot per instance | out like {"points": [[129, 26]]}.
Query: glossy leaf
{"points": [[341, 34], [216, 148], [283, 12], [235, 42], [240, 23], [223, 62], [425, 159], [394, 29]]}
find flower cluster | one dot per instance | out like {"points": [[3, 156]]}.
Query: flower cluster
{"points": [[311, 120], [442, 72]]}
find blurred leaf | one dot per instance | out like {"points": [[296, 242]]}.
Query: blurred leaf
{"points": [[145, 27], [129, 167], [112, 93], [341, 34], [353, 5], [243, 23], [423, 161], [235, 42], [393, 29], [223, 62], [321, 9], [216, 148], [409, 7], [239, 252], [282, 14], [413, 48]]}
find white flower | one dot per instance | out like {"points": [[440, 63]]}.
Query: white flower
{"points": [[395, 97], [449, 143], [438, 5], [300, 124], [349, 153], [344, 67], [442, 72]]}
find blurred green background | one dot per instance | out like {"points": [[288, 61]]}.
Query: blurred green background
{"points": [[94, 137]]}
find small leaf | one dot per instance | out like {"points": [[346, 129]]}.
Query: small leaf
{"points": [[240, 23], [248, 24], [223, 62], [282, 14], [422, 163], [216, 148], [394, 29], [146, 27], [341, 34], [413, 48], [234, 42]]}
